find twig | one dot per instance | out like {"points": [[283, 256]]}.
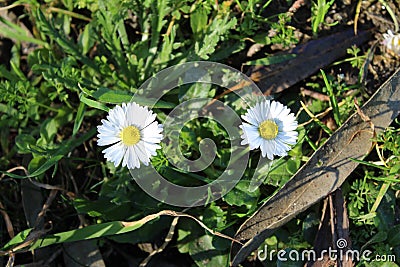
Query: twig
{"points": [[296, 5], [239, 86], [11, 259], [15, 169], [53, 194], [357, 15], [81, 217], [315, 119], [167, 239], [332, 221], [392, 15], [365, 118], [315, 95], [31, 238], [53, 257], [362, 114], [178, 214], [342, 228], [10, 6], [7, 220], [322, 114], [34, 235], [46, 186], [69, 13]]}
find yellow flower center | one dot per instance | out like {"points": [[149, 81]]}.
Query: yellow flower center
{"points": [[130, 135], [268, 129]]}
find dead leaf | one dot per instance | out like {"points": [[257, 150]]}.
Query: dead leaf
{"points": [[310, 58], [7, 220], [333, 230]]}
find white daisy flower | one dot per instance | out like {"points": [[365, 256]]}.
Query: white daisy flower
{"points": [[271, 127], [392, 41], [133, 131]]}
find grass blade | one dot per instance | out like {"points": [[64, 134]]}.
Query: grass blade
{"points": [[333, 100], [79, 118], [312, 116]]}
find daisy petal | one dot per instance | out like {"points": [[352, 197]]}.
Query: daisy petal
{"points": [[115, 153], [133, 133], [270, 142]]}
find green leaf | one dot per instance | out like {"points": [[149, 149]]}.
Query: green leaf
{"points": [[198, 20], [394, 170], [282, 170], [24, 142], [366, 163], [86, 39], [47, 165], [191, 239], [36, 162], [68, 46], [18, 239], [17, 71], [183, 235], [394, 236], [148, 233], [292, 166], [377, 238], [382, 264], [213, 34], [240, 195], [112, 96], [117, 97], [197, 90], [89, 232], [4, 73], [385, 212], [103, 208], [48, 131], [214, 216], [13, 31], [86, 233], [310, 227], [150, 102], [79, 118], [58, 154], [93, 103], [204, 253], [333, 100]]}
